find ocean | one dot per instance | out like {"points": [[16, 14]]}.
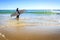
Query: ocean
{"points": [[31, 25], [26, 11]]}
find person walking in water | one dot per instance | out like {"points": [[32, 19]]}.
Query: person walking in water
{"points": [[18, 13]]}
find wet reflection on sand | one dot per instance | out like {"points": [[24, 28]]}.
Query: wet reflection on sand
{"points": [[38, 28]]}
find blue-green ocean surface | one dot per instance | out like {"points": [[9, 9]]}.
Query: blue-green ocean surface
{"points": [[27, 11]]}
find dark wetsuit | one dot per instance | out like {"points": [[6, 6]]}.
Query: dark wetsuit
{"points": [[18, 13]]}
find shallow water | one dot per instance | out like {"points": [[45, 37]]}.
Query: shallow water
{"points": [[30, 27]]}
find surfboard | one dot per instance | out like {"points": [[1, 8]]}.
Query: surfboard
{"points": [[15, 14]]}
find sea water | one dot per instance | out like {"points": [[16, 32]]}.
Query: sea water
{"points": [[30, 26]]}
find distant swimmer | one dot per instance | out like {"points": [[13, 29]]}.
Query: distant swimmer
{"points": [[17, 13]]}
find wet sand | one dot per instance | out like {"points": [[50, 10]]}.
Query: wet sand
{"points": [[29, 29]]}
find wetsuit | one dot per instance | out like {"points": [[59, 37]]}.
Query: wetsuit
{"points": [[18, 13]]}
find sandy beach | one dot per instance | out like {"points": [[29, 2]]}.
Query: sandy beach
{"points": [[30, 27]]}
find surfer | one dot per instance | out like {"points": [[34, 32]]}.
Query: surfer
{"points": [[18, 13]]}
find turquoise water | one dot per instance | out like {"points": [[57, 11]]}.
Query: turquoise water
{"points": [[26, 11]]}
